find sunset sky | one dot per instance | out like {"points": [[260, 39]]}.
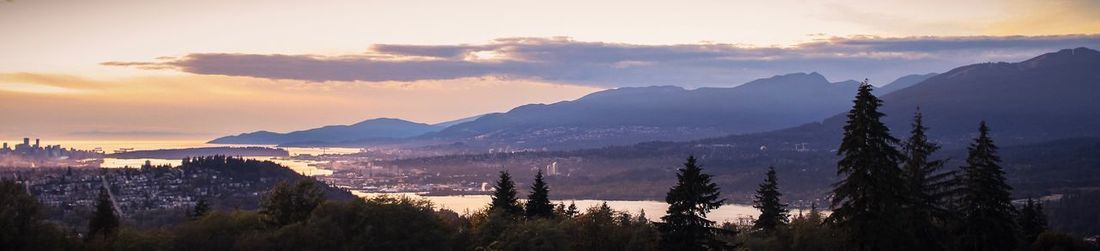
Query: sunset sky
{"points": [[200, 69]]}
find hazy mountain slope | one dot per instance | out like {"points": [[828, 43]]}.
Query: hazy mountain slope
{"points": [[446, 124], [1049, 97], [903, 82], [381, 128], [629, 115], [1052, 96]]}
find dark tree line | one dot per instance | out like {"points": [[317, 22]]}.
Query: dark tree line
{"points": [[894, 196]]}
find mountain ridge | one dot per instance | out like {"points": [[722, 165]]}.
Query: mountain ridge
{"points": [[635, 114], [378, 128]]}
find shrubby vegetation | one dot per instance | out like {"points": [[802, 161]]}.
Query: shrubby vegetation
{"points": [[888, 199]]}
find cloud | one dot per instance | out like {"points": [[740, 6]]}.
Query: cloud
{"points": [[132, 133], [600, 64], [189, 106]]}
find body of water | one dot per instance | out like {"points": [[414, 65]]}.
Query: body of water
{"points": [[465, 204]]}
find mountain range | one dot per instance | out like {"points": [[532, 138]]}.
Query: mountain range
{"points": [[373, 129], [1052, 96], [610, 117], [1049, 97], [1043, 113]]}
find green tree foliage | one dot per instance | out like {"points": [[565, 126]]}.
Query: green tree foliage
{"points": [[219, 231], [809, 233], [594, 228], [201, 208], [685, 224], [926, 190], [534, 235], [104, 220], [490, 225], [1054, 241], [131, 238], [22, 224], [773, 213], [1075, 213], [867, 200], [459, 228], [988, 217], [642, 234], [538, 202], [601, 228], [286, 203], [1032, 220], [380, 223], [504, 195], [598, 228]]}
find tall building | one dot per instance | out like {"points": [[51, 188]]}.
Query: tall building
{"points": [[552, 169], [27, 141]]}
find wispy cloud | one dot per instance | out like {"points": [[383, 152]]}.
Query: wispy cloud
{"points": [[616, 64], [133, 133]]}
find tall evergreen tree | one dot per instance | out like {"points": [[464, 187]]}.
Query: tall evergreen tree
{"points": [[988, 218], [201, 209], [867, 200], [104, 221], [504, 196], [926, 190], [773, 213], [538, 202], [1032, 220], [685, 225]]}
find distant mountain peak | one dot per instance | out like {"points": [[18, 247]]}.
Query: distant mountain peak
{"points": [[383, 121], [1056, 61], [629, 91], [368, 129], [903, 82], [1061, 57], [791, 79], [812, 76]]}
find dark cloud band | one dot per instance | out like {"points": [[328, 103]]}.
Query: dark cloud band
{"points": [[616, 64]]}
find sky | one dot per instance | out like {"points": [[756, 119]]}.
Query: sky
{"points": [[199, 69]]}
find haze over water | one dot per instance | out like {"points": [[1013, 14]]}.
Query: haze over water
{"points": [[468, 204]]}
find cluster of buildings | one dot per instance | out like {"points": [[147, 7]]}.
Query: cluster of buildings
{"points": [[440, 179], [73, 191], [26, 148], [35, 155], [367, 177], [552, 169]]}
